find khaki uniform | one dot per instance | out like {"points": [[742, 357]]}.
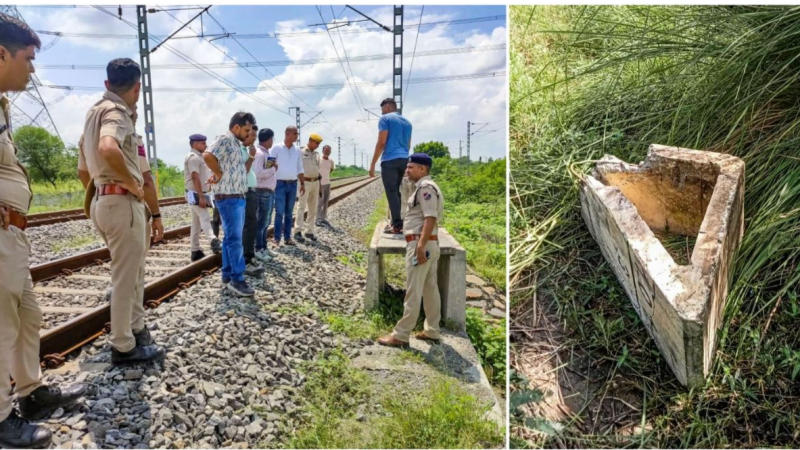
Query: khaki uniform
{"points": [[20, 315], [201, 219], [421, 284], [120, 219], [311, 196]]}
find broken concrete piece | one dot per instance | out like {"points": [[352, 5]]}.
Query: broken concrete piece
{"points": [[681, 191]]}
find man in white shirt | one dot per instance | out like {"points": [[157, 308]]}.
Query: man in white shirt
{"points": [[265, 169], [289, 173], [326, 166], [309, 198]]}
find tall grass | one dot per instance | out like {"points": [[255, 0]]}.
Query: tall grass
{"points": [[593, 80]]}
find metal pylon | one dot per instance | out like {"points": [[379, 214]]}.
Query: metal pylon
{"points": [[30, 108]]}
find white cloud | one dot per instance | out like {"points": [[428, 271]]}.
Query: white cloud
{"points": [[438, 111]]}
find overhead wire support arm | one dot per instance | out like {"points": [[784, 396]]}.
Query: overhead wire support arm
{"points": [[180, 28], [312, 118], [370, 19]]}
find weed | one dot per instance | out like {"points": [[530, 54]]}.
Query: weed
{"points": [[337, 399], [613, 80]]}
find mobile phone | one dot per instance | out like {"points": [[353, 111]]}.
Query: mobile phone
{"points": [[414, 260]]}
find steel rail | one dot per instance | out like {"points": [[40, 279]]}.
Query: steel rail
{"points": [[66, 215], [56, 343]]}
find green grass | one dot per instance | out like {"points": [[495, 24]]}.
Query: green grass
{"points": [[440, 416], [481, 229], [74, 242], [592, 80]]}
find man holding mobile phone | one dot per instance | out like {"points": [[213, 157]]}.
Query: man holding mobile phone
{"points": [[420, 228]]}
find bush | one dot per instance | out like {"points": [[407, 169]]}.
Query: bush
{"points": [[490, 343]]}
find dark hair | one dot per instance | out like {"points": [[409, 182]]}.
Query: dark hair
{"points": [[388, 100], [241, 118], [16, 34], [122, 74], [265, 134]]}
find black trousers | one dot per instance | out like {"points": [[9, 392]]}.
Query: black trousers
{"points": [[392, 172], [250, 225]]}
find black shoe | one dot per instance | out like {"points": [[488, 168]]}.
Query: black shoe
{"points": [[216, 246], [143, 337], [16, 432], [312, 237], [197, 254], [299, 237], [40, 403], [137, 355]]}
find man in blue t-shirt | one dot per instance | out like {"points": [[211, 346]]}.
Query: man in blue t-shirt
{"points": [[394, 143]]}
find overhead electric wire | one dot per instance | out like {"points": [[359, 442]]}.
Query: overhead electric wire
{"points": [[274, 77], [277, 35], [344, 51], [411, 66], [188, 59], [333, 44], [227, 55], [308, 86], [287, 62]]}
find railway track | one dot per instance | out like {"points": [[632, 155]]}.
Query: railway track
{"points": [[48, 218], [72, 291]]}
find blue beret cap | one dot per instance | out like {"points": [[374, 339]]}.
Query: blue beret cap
{"points": [[196, 137], [421, 158]]}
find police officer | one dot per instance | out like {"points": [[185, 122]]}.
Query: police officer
{"points": [[309, 199], [420, 228], [20, 315], [195, 178], [111, 152]]}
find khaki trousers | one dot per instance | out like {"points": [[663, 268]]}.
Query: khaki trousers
{"points": [[310, 199], [201, 223], [421, 285], [20, 318], [324, 198], [120, 220]]}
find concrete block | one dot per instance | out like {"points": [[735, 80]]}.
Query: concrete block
{"points": [[679, 191], [451, 272]]}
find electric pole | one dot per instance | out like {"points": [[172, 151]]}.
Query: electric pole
{"points": [[397, 42], [147, 88], [339, 145], [459, 149], [397, 31], [297, 120], [468, 138], [354, 155], [34, 93]]}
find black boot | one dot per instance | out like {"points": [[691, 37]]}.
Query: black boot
{"points": [[46, 399], [16, 432], [137, 355], [143, 337], [197, 254]]}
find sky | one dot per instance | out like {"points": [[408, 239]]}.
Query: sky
{"points": [[277, 57]]}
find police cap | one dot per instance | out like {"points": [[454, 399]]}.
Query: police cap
{"points": [[196, 137], [421, 158]]}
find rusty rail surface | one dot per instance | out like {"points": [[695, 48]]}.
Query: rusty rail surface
{"points": [[67, 215], [58, 342]]}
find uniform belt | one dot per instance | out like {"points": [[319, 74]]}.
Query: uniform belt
{"points": [[111, 189], [17, 219], [312, 178], [226, 196], [416, 237]]}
